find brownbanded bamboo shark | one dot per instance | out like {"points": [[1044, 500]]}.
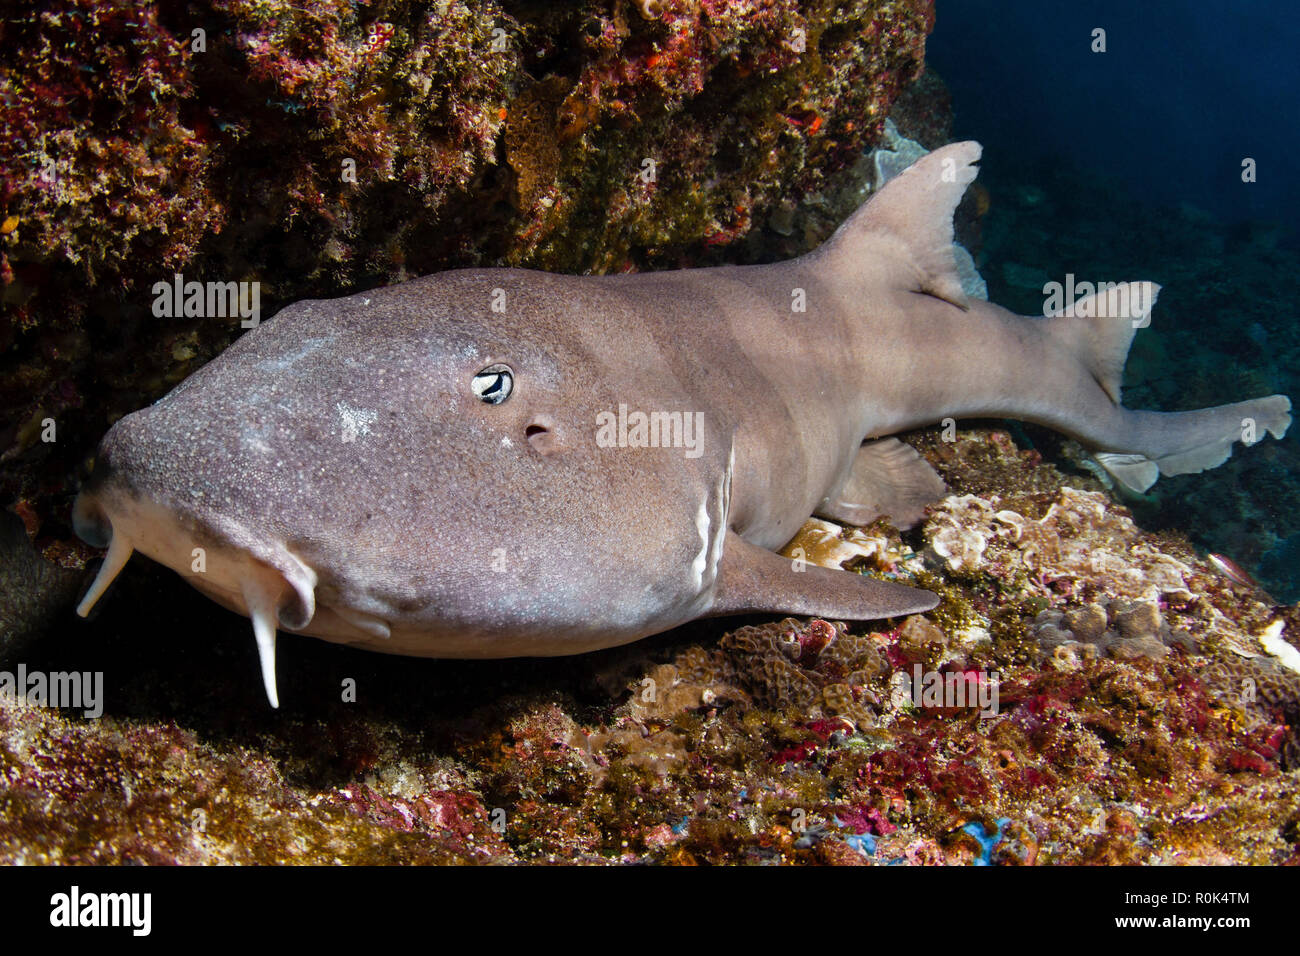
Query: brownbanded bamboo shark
{"points": [[499, 462]]}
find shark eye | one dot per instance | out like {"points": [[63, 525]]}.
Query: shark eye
{"points": [[494, 384]]}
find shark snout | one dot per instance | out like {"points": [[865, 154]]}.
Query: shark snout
{"points": [[127, 509]]}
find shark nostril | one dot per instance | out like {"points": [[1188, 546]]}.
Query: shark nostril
{"points": [[90, 522], [541, 436], [293, 612]]}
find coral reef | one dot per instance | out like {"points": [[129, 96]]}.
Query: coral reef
{"points": [[1139, 719]]}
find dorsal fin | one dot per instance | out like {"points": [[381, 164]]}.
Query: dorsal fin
{"points": [[1099, 328], [912, 213]]}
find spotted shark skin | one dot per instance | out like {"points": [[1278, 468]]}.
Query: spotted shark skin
{"points": [[429, 468]]}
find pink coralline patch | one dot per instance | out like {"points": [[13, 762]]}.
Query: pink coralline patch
{"points": [[460, 814], [864, 820], [974, 681], [821, 731], [893, 653], [390, 812], [659, 836], [1040, 716], [1247, 761], [920, 758], [826, 727], [1258, 753], [798, 753], [814, 638]]}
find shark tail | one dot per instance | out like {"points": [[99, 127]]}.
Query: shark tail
{"points": [[1186, 443], [908, 224], [1098, 330]]}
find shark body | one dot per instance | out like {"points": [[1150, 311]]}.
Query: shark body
{"points": [[456, 466]]}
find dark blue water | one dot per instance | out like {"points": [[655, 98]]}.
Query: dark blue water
{"points": [[1185, 90]]}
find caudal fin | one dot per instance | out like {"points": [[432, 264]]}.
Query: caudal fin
{"points": [[1097, 330], [906, 228], [1187, 443]]}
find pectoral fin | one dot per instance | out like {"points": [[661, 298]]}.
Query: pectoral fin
{"points": [[753, 579], [887, 478]]}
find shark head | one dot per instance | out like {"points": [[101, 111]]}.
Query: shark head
{"points": [[396, 471]]}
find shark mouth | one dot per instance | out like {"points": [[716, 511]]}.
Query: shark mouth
{"points": [[267, 583]]}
